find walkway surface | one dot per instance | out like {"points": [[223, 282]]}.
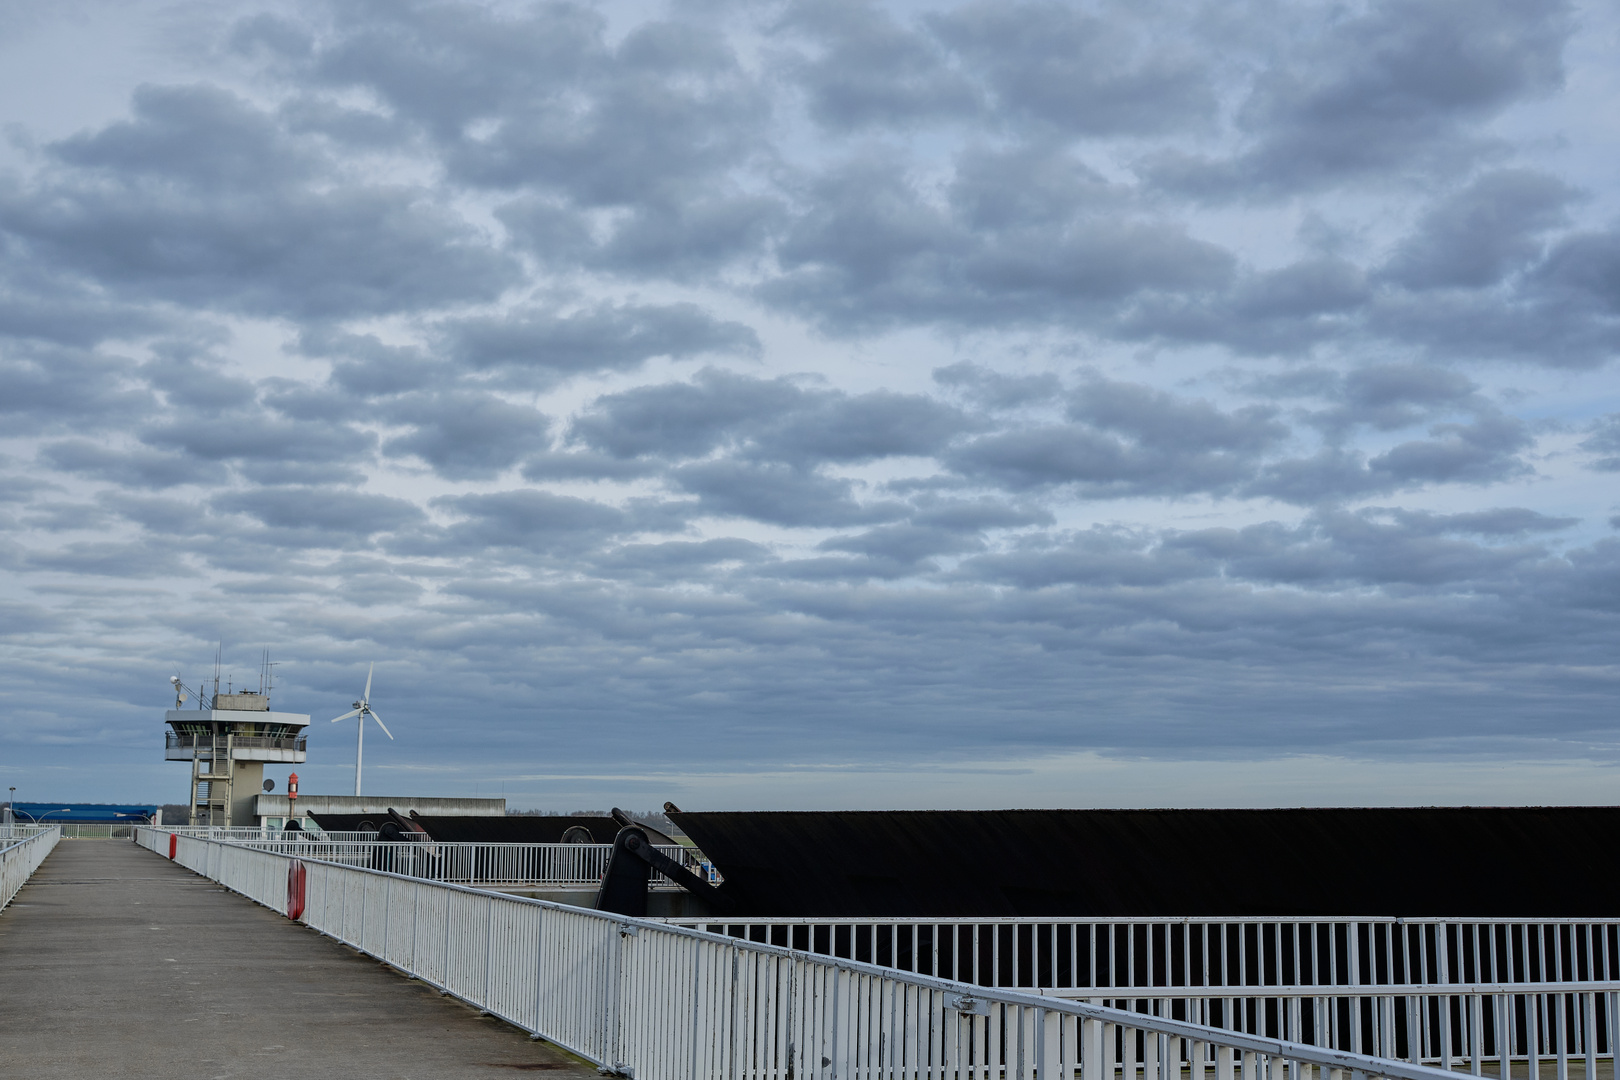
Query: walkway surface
{"points": [[114, 962]]}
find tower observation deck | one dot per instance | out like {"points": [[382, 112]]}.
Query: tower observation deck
{"points": [[228, 739]]}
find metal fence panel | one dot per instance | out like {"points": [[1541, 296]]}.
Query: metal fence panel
{"points": [[661, 1002], [22, 849]]}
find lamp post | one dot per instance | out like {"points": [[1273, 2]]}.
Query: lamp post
{"points": [[145, 819], [46, 814]]}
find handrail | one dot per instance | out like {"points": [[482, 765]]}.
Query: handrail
{"points": [[173, 741], [1164, 953], [659, 1002], [1117, 993], [571, 866], [554, 865], [20, 858]]}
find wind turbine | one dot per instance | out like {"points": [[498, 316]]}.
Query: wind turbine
{"points": [[363, 709]]}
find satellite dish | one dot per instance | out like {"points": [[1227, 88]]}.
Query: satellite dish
{"points": [[269, 785]]}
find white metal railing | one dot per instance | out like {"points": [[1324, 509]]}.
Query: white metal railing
{"points": [[209, 743], [1206, 952], [566, 866], [660, 1002], [1427, 989], [21, 855], [79, 830], [554, 865], [87, 830], [266, 832], [249, 832]]}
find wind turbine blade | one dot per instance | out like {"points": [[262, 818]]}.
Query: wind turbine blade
{"points": [[345, 716], [367, 695], [373, 714]]}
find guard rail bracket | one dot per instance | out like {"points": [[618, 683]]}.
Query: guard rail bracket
{"points": [[964, 1003]]}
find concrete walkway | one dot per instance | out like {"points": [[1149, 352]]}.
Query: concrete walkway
{"points": [[114, 962]]}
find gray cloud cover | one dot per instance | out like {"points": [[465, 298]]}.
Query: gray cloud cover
{"points": [[699, 393]]}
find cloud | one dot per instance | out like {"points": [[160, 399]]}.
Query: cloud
{"points": [[540, 99], [1125, 439], [255, 435], [679, 559], [904, 544], [540, 348], [39, 306], [527, 519], [872, 252], [1372, 547], [465, 435], [682, 419], [1397, 90], [766, 419], [1585, 266], [1051, 377], [993, 390], [1479, 452], [1489, 229], [321, 510], [778, 494], [869, 70], [1483, 451], [1080, 72], [138, 467], [1604, 440], [45, 388], [138, 560], [201, 199], [1394, 396], [1096, 557]]}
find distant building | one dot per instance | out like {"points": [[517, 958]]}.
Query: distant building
{"points": [[61, 813], [228, 743], [273, 810]]}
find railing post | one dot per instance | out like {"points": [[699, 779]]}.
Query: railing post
{"points": [[1476, 1035], [489, 951], [1561, 1022], [1504, 1035], [1091, 1051], [540, 944], [1532, 1033], [697, 994], [1589, 1033], [836, 976]]}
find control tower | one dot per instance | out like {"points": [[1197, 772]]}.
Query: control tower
{"points": [[228, 738]]}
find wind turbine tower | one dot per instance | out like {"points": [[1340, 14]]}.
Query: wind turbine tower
{"points": [[363, 709]]}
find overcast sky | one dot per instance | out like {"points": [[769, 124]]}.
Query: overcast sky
{"points": [[838, 404]]}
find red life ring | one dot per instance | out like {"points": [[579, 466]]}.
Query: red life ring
{"points": [[295, 889]]}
